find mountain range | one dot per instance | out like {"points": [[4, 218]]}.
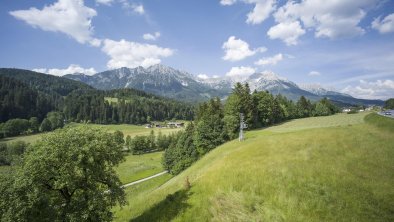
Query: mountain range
{"points": [[169, 82]]}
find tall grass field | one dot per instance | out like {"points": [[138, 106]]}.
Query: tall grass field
{"points": [[336, 168]]}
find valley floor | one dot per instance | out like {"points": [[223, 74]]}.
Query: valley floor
{"points": [[336, 168], [127, 129]]}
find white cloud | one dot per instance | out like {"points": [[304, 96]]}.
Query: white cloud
{"points": [[331, 19], [227, 2], [71, 17], [380, 89], [270, 60], [203, 76], [153, 37], [237, 49], [136, 8], [289, 32], [314, 73], [105, 2], [139, 9], [69, 70], [241, 71], [261, 11], [384, 26], [132, 54]]}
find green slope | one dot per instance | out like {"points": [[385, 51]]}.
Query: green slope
{"points": [[340, 170]]}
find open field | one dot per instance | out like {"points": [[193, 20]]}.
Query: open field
{"points": [[340, 170], [341, 119], [134, 130], [127, 129], [27, 139], [139, 166]]}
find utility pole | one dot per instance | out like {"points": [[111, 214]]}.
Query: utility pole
{"points": [[242, 126]]}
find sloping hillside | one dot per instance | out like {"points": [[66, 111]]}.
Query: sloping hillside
{"points": [[44, 82], [340, 170]]}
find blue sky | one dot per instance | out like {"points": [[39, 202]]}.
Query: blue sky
{"points": [[344, 44]]}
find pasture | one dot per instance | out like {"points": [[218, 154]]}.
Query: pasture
{"points": [[127, 129], [137, 167], [338, 169]]}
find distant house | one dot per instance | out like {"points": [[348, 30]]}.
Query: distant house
{"points": [[345, 110], [148, 126], [175, 125]]}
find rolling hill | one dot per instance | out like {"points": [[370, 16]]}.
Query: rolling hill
{"points": [[295, 171]]}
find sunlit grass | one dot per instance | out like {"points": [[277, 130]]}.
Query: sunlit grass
{"points": [[138, 193], [134, 130], [137, 167], [340, 170], [24, 138], [341, 119], [127, 129]]}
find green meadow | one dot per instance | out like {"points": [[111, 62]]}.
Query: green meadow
{"points": [[335, 168], [24, 138], [127, 129], [137, 167]]}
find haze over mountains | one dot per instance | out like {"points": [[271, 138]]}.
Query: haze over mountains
{"points": [[166, 81]]}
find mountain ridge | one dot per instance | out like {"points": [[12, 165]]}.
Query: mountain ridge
{"points": [[169, 82]]}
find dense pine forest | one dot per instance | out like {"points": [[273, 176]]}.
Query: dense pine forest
{"points": [[122, 106]]}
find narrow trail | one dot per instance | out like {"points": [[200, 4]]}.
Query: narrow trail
{"points": [[145, 179]]}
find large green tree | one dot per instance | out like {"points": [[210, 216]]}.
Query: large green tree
{"points": [[209, 130], [182, 152], [239, 101], [56, 119], [66, 176]]}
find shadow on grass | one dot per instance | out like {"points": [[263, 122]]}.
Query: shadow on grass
{"points": [[167, 209]]}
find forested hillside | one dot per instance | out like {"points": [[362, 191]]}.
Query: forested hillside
{"points": [[123, 106], [43, 82], [18, 100], [25, 94]]}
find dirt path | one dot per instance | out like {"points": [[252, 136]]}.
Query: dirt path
{"points": [[145, 179]]}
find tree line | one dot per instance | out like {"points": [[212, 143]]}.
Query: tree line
{"points": [[131, 106], [144, 144], [16, 127], [216, 123]]}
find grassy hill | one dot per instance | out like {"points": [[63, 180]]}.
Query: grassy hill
{"points": [[337, 168]]}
